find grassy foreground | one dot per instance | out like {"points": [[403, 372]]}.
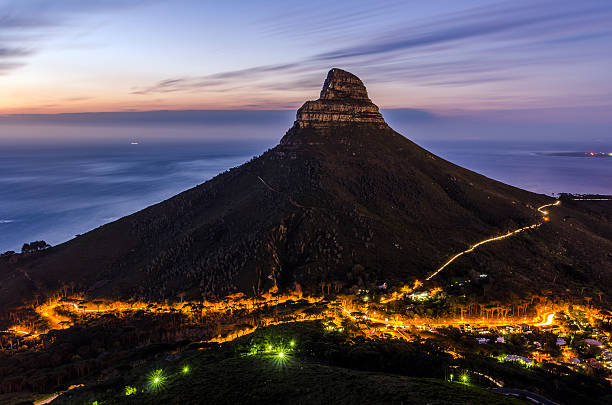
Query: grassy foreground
{"points": [[264, 378], [310, 363], [285, 364]]}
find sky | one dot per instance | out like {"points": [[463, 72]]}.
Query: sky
{"points": [[529, 60]]}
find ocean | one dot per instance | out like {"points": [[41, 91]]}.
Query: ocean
{"points": [[52, 190]]}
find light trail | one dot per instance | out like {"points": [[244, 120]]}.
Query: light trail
{"points": [[48, 311], [50, 399], [496, 238], [19, 332], [399, 325], [548, 321]]}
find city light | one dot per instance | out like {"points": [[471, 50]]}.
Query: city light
{"points": [[549, 320], [185, 369]]}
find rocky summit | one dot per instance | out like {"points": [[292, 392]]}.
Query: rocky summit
{"points": [[344, 100], [342, 203]]}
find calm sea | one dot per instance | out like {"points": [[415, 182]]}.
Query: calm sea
{"points": [[54, 190]]}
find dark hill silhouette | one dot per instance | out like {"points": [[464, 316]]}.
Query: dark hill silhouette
{"points": [[342, 199]]}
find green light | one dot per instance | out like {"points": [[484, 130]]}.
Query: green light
{"points": [[269, 347], [156, 380], [130, 390], [281, 359], [185, 369], [292, 343], [451, 377], [465, 378]]}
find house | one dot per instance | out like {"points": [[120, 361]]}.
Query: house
{"points": [[561, 342], [500, 340], [465, 328], [593, 342], [512, 329], [482, 341], [594, 363], [514, 357]]}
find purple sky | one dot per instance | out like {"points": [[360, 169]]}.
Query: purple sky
{"points": [[529, 60]]}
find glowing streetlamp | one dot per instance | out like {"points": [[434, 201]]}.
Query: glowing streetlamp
{"points": [[156, 380]]}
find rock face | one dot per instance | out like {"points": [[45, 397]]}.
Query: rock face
{"points": [[344, 100]]}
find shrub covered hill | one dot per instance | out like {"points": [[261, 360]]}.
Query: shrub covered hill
{"points": [[342, 201]]}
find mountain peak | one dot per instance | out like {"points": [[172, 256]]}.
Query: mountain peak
{"points": [[341, 84], [344, 100]]}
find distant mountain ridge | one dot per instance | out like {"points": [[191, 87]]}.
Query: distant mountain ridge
{"points": [[343, 200], [188, 117]]}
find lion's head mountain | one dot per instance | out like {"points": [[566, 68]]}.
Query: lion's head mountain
{"points": [[342, 202]]}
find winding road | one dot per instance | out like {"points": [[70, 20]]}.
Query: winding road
{"points": [[541, 210], [532, 396]]}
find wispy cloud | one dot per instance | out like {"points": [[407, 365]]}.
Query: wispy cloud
{"points": [[7, 66], [219, 82], [13, 52], [26, 24], [517, 20], [329, 20], [487, 45]]}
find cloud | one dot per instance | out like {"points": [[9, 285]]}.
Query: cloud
{"points": [[491, 44], [5, 67], [513, 19], [327, 19], [219, 82], [25, 24], [13, 52]]}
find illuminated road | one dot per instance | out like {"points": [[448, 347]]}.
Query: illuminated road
{"points": [[533, 397], [60, 314], [399, 325], [549, 320], [48, 400], [541, 210]]}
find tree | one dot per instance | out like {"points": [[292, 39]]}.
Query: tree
{"points": [[34, 246], [8, 253]]}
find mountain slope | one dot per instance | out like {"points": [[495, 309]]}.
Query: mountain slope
{"points": [[342, 199]]}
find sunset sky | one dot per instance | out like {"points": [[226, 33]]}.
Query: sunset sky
{"points": [[443, 56]]}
